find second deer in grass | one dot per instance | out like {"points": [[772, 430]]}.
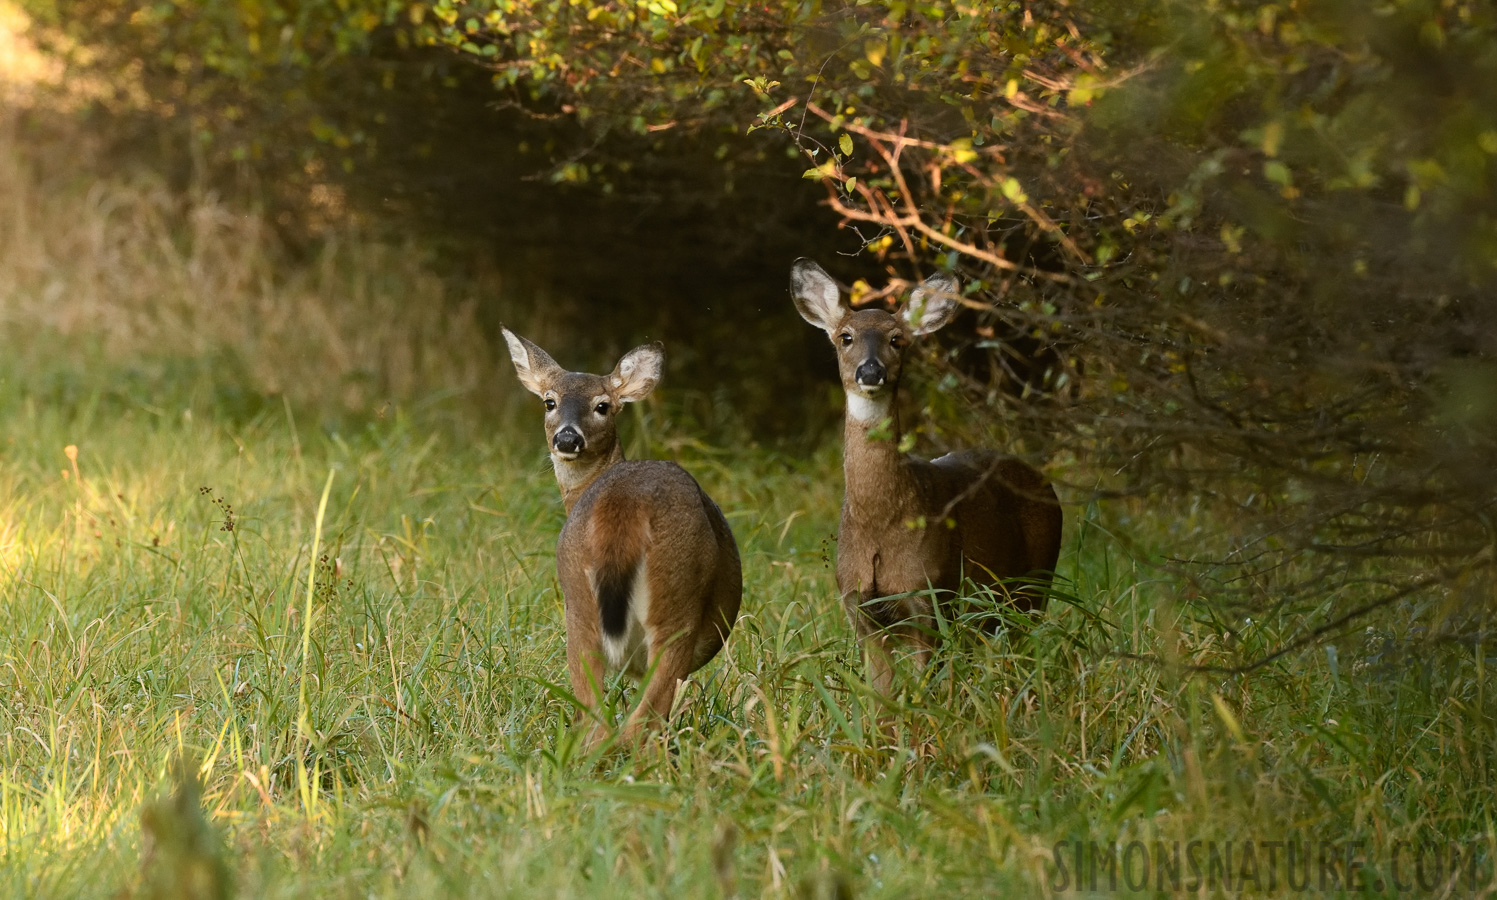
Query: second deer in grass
{"points": [[913, 530], [649, 571]]}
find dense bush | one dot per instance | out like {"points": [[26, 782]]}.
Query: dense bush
{"points": [[1247, 250]]}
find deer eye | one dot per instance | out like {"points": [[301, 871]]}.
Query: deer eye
{"points": [[894, 341], [550, 404], [846, 339], [601, 409]]}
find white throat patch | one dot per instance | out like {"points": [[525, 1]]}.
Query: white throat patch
{"points": [[568, 472], [863, 408]]}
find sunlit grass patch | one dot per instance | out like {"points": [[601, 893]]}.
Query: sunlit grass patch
{"points": [[156, 609]]}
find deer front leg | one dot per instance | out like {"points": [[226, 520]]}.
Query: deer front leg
{"points": [[922, 643], [880, 662], [867, 614]]}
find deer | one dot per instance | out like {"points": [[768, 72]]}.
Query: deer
{"points": [[912, 530], [649, 571]]}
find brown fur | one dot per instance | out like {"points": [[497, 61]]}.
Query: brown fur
{"points": [[909, 525], [624, 518]]}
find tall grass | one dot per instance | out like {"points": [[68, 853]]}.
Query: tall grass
{"points": [[375, 706], [137, 282]]}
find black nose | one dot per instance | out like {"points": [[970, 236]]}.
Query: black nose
{"points": [[567, 440], [871, 374]]}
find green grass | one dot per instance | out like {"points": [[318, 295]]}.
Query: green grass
{"points": [[437, 759], [427, 750]]}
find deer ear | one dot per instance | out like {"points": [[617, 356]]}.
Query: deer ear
{"points": [[932, 304], [816, 295], [532, 365], [638, 372]]}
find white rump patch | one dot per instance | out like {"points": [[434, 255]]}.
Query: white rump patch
{"points": [[631, 652], [863, 408]]}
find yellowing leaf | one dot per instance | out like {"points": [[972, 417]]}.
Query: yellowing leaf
{"points": [[1232, 237], [1084, 91], [1427, 172], [845, 144], [825, 170], [961, 148], [1013, 190], [875, 50], [1273, 137]]}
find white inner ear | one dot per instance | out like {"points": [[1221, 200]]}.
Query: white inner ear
{"points": [[637, 373], [917, 309], [931, 305], [521, 358], [625, 371], [819, 295], [517, 352]]}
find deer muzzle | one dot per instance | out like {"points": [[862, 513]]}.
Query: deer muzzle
{"points": [[568, 443], [871, 374]]}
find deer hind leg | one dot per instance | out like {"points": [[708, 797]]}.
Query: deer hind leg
{"points": [[587, 669], [671, 664]]}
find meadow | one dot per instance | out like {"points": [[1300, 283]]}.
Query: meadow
{"points": [[293, 523]]}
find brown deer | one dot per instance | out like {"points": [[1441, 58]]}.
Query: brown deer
{"points": [[649, 571], [913, 530]]}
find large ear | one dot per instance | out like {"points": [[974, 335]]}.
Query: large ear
{"points": [[534, 367], [638, 372], [932, 304], [816, 295]]}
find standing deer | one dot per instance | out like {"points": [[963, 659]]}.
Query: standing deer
{"points": [[649, 571], [913, 530]]}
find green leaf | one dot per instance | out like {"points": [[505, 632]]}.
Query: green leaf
{"points": [[845, 143]]}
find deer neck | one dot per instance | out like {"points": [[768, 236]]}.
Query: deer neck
{"points": [[876, 473], [575, 476]]}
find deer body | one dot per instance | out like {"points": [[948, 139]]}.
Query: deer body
{"points": [[911, 525], [650, 575]]}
